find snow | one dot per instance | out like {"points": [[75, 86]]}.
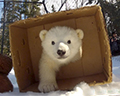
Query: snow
{"points": [[82, 89]]}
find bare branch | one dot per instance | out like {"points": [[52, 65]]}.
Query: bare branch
{"points": [[45, 6], [62, 5], [81, 3], [76, 3]]}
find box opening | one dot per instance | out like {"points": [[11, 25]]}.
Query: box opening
{"points": [[93, 68]]}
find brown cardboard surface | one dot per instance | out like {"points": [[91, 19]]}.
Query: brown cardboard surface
{"points": [[35, 47], [69, 84], [95, 65], [21, 57], [91, 46]]}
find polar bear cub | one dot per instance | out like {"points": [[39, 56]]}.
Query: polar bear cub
{"points": [[61, 45]]}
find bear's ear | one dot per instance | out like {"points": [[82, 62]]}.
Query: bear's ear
{"points": [[80, 33], [42, 34]]}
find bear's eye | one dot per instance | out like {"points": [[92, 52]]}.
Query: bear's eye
{"points": [[69, 41], [53, 43]]}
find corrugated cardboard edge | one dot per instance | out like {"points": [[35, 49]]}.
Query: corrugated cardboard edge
{"points": [[51, 14], [108, 52]]}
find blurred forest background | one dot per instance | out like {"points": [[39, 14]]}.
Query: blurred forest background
{"points": [[14, 10]]}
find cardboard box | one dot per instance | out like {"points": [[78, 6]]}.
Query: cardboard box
{"points": [[95, 65]]}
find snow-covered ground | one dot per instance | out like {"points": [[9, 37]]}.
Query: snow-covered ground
{"points": [[81, 89]]}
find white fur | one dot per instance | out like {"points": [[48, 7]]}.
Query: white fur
{"points": [[50, 60]]}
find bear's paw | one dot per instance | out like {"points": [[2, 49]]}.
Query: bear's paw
{"points": [[47, 87]]}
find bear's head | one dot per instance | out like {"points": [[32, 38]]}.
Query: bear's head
{"points": [[62, 44]]}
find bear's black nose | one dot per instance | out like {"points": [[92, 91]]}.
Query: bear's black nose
{"points": [[61, 52]]}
